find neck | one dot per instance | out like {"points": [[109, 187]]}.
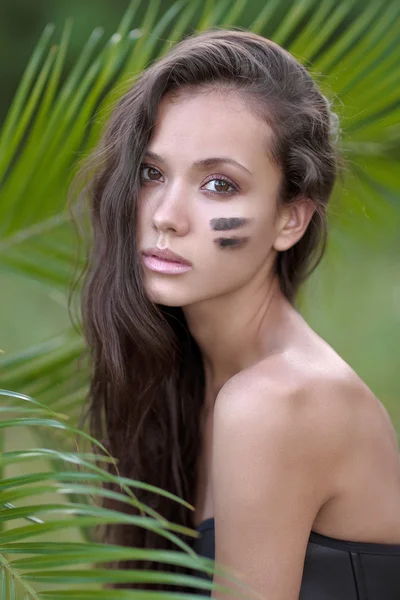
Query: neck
{"points": [[238, 330]]}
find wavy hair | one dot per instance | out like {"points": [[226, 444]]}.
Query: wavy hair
{"points": [[146, 371]]}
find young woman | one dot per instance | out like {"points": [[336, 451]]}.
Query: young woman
{"points": [[209, 194]]}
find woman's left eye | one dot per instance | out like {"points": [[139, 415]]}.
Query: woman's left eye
{"points": [[225, 183]]}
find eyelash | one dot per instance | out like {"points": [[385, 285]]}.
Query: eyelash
{"points": [[214, 177]]}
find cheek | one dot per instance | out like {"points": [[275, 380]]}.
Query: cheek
{"points": [[244, 249], [229, 262], [143, 217], [230, 239]]}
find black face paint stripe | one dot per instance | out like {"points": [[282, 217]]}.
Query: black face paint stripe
{"points": [[231, 242], [224, 224]]}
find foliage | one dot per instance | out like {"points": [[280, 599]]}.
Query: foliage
{"points": [[76, 480]]}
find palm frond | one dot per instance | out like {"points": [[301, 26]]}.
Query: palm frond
{"points": [[48, 562]]}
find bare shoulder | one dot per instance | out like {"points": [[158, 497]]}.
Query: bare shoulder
{"points": [[285, 433], [313, 398]]}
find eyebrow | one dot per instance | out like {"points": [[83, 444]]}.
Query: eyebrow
{"points": [[203, 163]]}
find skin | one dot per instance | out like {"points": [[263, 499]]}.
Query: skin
{"points": [[292, 438]]}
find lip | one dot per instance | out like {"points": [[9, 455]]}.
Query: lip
{"points": [[167, 255], [165, 266], [165, 261]]}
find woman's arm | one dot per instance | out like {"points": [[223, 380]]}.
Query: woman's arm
{"points": [[275, 453]]}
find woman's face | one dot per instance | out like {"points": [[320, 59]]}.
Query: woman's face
{"points": [[220, 216]]}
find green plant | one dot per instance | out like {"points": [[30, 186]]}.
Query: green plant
{"points": [[76, 481]]}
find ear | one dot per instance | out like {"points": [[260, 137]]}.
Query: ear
{"points": [[292, 221]]}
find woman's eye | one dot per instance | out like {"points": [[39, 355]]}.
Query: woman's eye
{"points": [[152, 171], [222, 186]]}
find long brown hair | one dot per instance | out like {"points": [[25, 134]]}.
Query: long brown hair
{"points": [[146, 370]]}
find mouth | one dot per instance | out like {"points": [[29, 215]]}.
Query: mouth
{"points": [[165, 265], [166, 254]]}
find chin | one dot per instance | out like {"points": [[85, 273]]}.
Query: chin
{"points": [[167, 296]]}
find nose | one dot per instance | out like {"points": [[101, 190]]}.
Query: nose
{"points": [[171, 213]]}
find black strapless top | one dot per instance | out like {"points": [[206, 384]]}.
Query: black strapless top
{"points": [[333, 569]]}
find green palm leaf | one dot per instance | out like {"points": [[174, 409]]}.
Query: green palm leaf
{"points": [[50, 562]]}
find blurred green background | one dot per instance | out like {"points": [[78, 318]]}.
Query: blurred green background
{"points": [[22, 22], [352, 300]]}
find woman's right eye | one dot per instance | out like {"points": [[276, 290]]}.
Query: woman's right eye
{"points": [[151, 170]]}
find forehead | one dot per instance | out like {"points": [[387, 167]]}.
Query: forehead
{"points": [[212, 123]]}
